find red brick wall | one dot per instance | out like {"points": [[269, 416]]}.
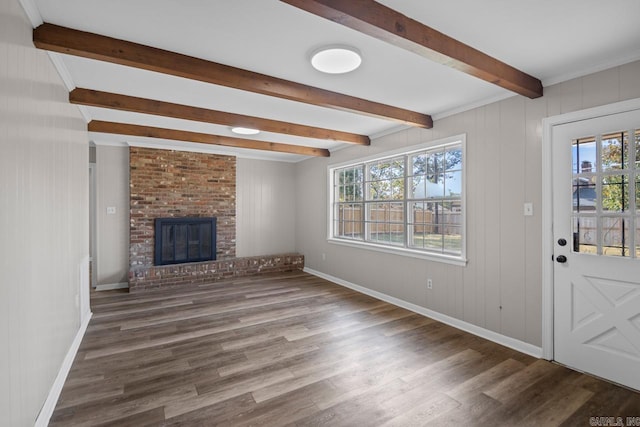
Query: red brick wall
{"points": [[177, 184]]}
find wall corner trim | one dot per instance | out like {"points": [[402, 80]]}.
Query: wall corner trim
{"points": [[54, 393], [504, 340]]}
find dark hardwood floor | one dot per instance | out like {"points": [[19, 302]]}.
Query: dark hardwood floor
{"points": [[295, 349]]}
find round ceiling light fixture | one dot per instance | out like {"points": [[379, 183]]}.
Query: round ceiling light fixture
{"points": [[244, 131], [336, 59]]}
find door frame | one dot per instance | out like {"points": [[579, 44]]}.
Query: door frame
{"points": [[547, 206]]}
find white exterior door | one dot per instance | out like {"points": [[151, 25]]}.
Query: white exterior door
{"points": [[596, 229]]}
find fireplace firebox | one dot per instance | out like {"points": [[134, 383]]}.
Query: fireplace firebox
{"points": [[181, 240]]}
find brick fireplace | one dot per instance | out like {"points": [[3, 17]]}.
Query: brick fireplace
{"points": [[176, 184]]}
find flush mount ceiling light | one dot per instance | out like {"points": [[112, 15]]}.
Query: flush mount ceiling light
{"points": [[244, 131], [336, 59]]}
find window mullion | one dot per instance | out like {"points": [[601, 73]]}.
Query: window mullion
{"points": [[631, 160], [366, 206], [405, 207], [599, 200]]}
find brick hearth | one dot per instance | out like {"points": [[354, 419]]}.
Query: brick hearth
{"points": [[171, 276]]}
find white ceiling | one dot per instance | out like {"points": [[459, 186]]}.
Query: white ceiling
{"points": [[549, 39]]}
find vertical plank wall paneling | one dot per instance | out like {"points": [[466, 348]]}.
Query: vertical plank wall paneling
{"points": [[504, 167], [469, 280], [265, 209], [512, 221], [480, 233], [44, 223], [112, 230], [491, 155], [534, 112]]}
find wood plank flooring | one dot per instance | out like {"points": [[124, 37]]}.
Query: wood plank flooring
{"points": [[293, 349]]}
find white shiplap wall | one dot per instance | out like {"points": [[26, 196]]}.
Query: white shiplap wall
{"points": [[500, 288], [44, 240]]}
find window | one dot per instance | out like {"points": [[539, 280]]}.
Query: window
{"points": [[408, 202], [606, 194]]}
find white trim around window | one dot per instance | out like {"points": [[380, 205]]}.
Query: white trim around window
{"points": [[390, 180]]}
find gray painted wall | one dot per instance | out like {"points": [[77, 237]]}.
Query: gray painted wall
{"points": [[265, 210], [44, 223], [112, 230], [500, 287]]}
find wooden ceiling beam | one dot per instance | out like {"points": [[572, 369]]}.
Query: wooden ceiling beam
{"points": [[88, 45], [202, 138], [388, 25], [94, 98]]}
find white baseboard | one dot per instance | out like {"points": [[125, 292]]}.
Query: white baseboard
{"points": [[111, 286], [54, 393], [504, 340]]}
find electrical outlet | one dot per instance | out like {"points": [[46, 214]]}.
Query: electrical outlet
{"points": [[429, 284]]}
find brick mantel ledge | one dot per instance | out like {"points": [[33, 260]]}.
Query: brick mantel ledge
{"points": [[178, 275]]}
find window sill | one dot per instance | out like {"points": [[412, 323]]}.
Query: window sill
{"points": [[447, 259]]}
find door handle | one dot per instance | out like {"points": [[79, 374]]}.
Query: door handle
{"points": [[561, 259]]}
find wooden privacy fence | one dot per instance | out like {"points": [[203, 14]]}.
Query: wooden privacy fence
{"points": [[613, 231], [391, 220]]}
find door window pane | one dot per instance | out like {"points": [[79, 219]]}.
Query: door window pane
{"points": [[604, 190], [585, 232], [615, 193], [615, 236], [615, 151], [584, 155], [584, 194]]}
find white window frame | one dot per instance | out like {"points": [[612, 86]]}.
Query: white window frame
{"points": [[460, 259]]}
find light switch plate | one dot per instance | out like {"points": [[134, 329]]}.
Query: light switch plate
{"points": [[111, 210]]}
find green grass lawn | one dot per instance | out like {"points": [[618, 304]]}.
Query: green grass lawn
{"points": [[429, 241]]}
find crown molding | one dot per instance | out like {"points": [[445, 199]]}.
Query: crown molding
{"points": [[32, 12], [632, 57], [192, 147]]}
